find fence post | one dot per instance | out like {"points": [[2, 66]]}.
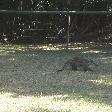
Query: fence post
{"points": [[68, 31]]}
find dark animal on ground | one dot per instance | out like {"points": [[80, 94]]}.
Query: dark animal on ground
{"points": [[78, 63]]}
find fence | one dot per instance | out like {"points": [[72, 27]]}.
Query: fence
{"points": [[64, 26]]}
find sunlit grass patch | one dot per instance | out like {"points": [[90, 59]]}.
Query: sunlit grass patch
{"points": [[94, 51], [55, 103], [48, 47], [102, 79]]}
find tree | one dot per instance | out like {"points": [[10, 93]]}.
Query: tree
{"points": [[82, 27]]}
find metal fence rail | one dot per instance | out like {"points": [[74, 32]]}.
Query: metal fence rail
{"points": [[14, 12]]}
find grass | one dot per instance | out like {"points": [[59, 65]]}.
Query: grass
{"points": [[55, 103], [28, 82]]}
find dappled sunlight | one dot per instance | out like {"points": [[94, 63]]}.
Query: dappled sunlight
{"points": [[76, 48], [101, 81], [62, 46], [71, 46], [10, 49], [94, 51], [11, 59], [6, 49], [106, 58], [10, 103], [105, 80], [13, 48], [49, 48]]}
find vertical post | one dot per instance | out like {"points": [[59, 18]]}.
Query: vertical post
{"points": [[21, 5], [68, 31]]}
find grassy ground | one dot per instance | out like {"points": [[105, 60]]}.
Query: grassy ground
{"points": [[28, 82]]}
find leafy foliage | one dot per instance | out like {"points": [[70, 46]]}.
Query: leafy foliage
{"points": [[39, 28]]}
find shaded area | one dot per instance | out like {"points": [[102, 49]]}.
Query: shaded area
{"points": [[46, 28]]}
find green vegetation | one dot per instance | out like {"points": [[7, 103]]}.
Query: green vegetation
{"points": [[53, 28], [28, 82]]}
